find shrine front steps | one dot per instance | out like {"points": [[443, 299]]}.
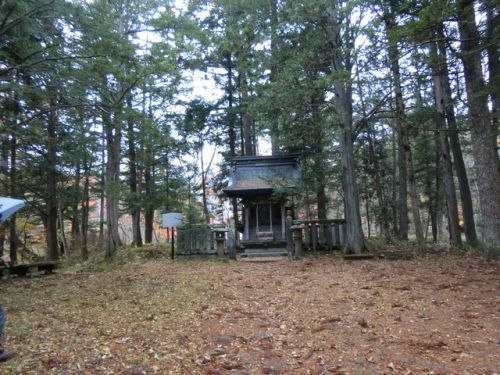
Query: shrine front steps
{"points": [[263, 259], [264, 253]]}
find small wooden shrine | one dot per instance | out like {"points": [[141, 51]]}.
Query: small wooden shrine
{"points": [[262, 186]]}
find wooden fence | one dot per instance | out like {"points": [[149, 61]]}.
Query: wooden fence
{"points": [[199, 240], [323, 234], [195, 240]]}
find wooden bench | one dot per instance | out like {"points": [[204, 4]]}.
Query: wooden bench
{"points": [[29, 269]]}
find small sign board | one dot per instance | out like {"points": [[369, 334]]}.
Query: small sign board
{"points": [[8, 207], [172, 219]]}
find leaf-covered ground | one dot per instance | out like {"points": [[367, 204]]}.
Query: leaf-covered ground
{"points": [[436, 315]]}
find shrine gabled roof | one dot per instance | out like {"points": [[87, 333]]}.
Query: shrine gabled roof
{"points": [[262, 174]]}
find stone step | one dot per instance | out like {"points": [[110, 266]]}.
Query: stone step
{"points": [[262, 259], [254, 253], [255, 245]]}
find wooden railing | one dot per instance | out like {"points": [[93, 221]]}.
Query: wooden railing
{"points": [[323, 234]]}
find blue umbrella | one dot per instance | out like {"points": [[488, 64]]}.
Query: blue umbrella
{"points": [[8, 207]]}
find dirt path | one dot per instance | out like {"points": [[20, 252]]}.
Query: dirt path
{"points": [[319, 315]]}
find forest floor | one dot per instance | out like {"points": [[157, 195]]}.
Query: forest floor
{"points": [[437, 314]]}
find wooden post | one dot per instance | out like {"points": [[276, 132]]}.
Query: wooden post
{"points": [[289, 235], [173, 242], [314, 235], [283, 221], [297, 241], [271, 217], [246, 232], [307, 236], [321, 234], [341, 235], [335, 234], [328, 234]]}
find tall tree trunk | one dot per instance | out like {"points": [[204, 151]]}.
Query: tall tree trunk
{"points": [[449, 185], [75, 219], [9, 157], [373, 170], [204, 187], [456, 149], [355, 237], [493, 53], [13, 239], [402, 200], [394, 190], [149, 211], [275, 146], [440, 98], [431, 204], [401, 127], [102, 183], [231, 119], [113, 130], [321, 202], [374, 160], [437, 198], [367, 209], [485, 156], [134, 208], [248, 145], [63, 243], [4, 168], [414, 196], [148, 172], [406, 174], [2, 239], [342, 66], [51, 178], [231, 115], [319, 167], [85, 209]]}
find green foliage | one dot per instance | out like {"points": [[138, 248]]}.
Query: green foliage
{"points": [[76, 74]]}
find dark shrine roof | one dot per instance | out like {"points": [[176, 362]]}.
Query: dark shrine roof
{"points": [[252, 175]]}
